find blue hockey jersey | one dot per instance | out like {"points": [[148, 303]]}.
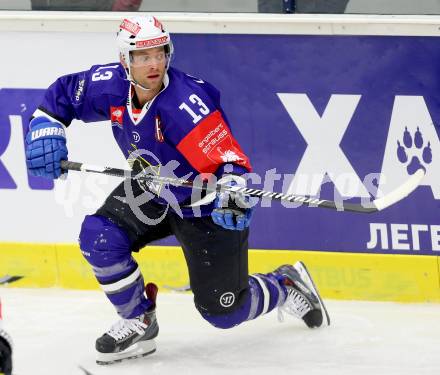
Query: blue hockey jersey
{"points": [[182, 132]]}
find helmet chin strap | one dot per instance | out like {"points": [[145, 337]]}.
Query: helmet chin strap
{"points": [[139, 85], [133, 81]]}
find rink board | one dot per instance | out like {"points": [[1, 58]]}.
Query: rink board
{"points": [[323, 102], [318, 111], [402, 278]]}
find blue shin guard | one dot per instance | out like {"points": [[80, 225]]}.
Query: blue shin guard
{"points": [[107, 248]]}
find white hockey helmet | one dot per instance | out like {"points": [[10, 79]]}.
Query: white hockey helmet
{"points": [[142, 32]]}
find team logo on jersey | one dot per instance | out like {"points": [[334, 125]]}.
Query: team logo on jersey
{"points": [[158, 130], [116, 116], [228, 155], [129, 26], [226, 152], [136, 137]]}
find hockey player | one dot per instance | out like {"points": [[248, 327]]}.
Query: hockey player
{"points": [[5, 349], [174, 118]]}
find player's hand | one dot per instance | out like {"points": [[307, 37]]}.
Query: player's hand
{"points": [[45, 148], [232, 211]]}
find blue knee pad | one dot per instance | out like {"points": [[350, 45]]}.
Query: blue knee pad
{"points": [[263, 295], [102, 242]]}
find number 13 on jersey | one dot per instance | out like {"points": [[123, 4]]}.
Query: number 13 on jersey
{"points": [[201, 108]]}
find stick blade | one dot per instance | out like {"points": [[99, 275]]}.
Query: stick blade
{"points": [[401, 192], [9, 279]]}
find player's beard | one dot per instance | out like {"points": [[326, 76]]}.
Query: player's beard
{"points": [[151, 84], [154, 84]]}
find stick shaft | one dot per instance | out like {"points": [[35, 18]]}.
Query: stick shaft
{"points": [[370, 207]]}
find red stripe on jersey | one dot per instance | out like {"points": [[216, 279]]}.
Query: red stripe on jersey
{"points": [[136, 112], [158, 130], [211, 144]]}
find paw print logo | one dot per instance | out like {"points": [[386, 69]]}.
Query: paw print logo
{"points": [[414, 148]]}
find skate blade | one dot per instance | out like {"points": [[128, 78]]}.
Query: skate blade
{"points": [[304, 273], [137, 350]]}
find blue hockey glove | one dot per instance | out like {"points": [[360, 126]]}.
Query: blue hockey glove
{"points": [[45, 148], [232, 211]]}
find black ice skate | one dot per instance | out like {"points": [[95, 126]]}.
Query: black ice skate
{"points": [[303, 300], [130, 338], [5, 353]]}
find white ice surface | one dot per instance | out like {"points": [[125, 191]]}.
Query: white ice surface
{"points": [[54, 331]]}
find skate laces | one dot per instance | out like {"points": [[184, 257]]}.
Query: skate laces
{"points": [[295, 304], [126, 327]]}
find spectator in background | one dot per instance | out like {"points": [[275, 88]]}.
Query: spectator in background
{"points": [[271, 6], [321, 6], [264, 6], [302, 6], [126, 5], [87, 5]]}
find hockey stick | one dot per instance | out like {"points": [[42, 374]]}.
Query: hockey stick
{"points": [[84, 370], [184, 288], [376, 205], [9, 279]]}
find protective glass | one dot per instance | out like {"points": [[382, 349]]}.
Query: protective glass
{"points": [[144, 59]]}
